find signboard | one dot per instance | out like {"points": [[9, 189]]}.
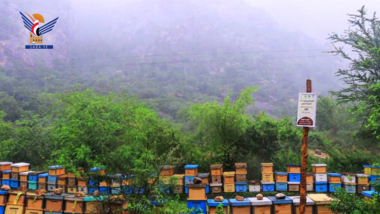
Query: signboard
{"points": [[307, 109]]}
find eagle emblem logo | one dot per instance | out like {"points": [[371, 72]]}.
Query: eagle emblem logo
{"points": [[33, 25]]}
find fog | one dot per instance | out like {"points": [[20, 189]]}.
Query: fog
{"points": [[172, 52]]}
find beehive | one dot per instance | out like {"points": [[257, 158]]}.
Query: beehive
{"points": [[267, 177], [241, 178], [367, 169], [281, 177], [263, 206], [43, 178], [72, 189], [348, 178], [62, 180], [191, 170], [63, 187], [4, 166], [293, 168], [27, 211], [240, 207], [34, 201], [14, 209], [179, 178], [229, 177], [42, 186], [217, 179], [267, 186], [16, 197], [375, 170], [3, 197], [240, 168], [56, 170], [33, 176], [25, 175], [54, 203], [93, 205], [308, 207], [362, 178], [320, 177], [99, 170], [6, 175], [334, 178], [83, 189], [294, 186], [178, 189], [309, 178], [254, 186], [319, 168], [81, 182], [216, 169], [118, 206], [320, 201], [266, 167], [216, 188], [229, 187], [74, 204], [197, 192], [212, 204], [310, 187], [20, 167], [362, 187], [15, 175], [167, 170], [282, 206], [205, 178], [350, 187]]}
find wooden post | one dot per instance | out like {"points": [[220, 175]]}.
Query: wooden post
{"points": [[305, 134]]}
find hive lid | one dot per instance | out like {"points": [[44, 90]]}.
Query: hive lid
{"points": [[375, 166], [294, 165], [43, 175], [216, 185], [203, 175], [241, 183], [262, 182], [281, 173], [56, 167], [320, 198], [319, 164], [216, 166], [240, 165], [266, 164], [73, 198], [264, 202], [296, 200], [167, 167], [50, 195], [236, 203], [369, 193], [5, 163], [323, 182], [202, 185], [7, 171], [37, 172], [92, 198], [367, 166], [362, 175], [191, 166], [3, 192], [15, 192], [62, 177], [286, 200], [94, 169], [21, 164], [26, 173], [213, 203], [293, 182], [334, 174], [228, 174]]}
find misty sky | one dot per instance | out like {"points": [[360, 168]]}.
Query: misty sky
{"points": [[315, 18]]}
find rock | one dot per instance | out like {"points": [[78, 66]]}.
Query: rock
{"points": [[58, 191], [5, 187], [197, 180], [280, 196], [259, 196], [80, 194], [239, 198], [96, 193], [219, 198], [317, 151]]}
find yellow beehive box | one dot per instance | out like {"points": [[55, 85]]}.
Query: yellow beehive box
{"points": [[20, 167], [4, 166], [319, 168], [266, 167], [229, 187], [320, 201], [267, 177], [179, 178], [229, 177], [240, 168], [14, 209], [197, 192], [293, 168]]}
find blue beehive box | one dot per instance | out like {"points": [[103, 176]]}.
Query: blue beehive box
{"points": [[126, 189], [4, 197], [105, 190], [282, 187], [2, 209], [52, 179], [91, 190], [334, 186], [374, 179], [189, 179], [320, 186], [197, 206], [32, 185], [294, 177], [241, 186], [6, 182], [267, 186], [212, 204], [280, 202], [14, 183], [369, 193]]}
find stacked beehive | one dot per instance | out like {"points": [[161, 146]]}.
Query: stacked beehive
{"points": [[191, 171], [93, 183], [362, 183], [179, 186], [310, 182], [349, 182], [166, 173], [294, 172], [229, 181], [78, 183], [116, 184], [33, 180], [54, 173], [281, 181], [267, 177], [17, 168], [241, 177], [216, 178], [197, 192], [334, 181], [320, 177], [374, 178], [54, 203], [42, 180], [73, 205], [62, 182], [254, 186], [15, 202], [6, 173], [34, 203], [24, 178], [105, 187], [3, 200]]}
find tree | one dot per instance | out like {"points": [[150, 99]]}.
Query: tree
{"points": [[221, 126]]}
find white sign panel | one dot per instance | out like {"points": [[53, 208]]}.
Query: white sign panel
{"points": [[307, 109]]}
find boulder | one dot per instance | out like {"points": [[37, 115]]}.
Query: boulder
{"points": [[5, 187], [219, 198], [197, 180], [58, 191], [259, 196], [239, 198]]}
